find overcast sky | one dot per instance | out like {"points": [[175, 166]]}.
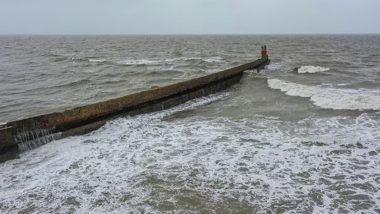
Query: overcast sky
{"points": [[189, 16]]}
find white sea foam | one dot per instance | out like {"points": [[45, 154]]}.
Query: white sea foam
{"points": [[140, 62], [213, 59], [329, 97], [273, 66], [170, 60], [97, 60], [153, 158], [206, 59], [311, 69], [342, 84]]}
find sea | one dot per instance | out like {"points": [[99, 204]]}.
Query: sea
{"points": [[300, 136]]}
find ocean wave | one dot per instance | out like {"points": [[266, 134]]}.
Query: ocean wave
{"points": [[59, 59], [329, 97], [207, 59], [97, 60], [79, 59], [88, 59], [311, 69], [139, 62], [214, 160], [73, 83], [213, 59], [146, 61], [170, 60]]}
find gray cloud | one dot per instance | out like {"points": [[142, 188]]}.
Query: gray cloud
{"points": [[188, 16]]}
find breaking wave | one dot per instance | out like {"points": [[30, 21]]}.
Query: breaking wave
{"points": [[311, 69], [201, 163], [329, 97], [171, 60], [147, 61], [139, 62], [97, 60]]}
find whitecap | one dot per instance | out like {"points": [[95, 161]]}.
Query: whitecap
{"points": [[139, 62], [342, 84], [312, 69], [97, 60], [169, 60], [329, 97], [214, 59], [208, 59]]}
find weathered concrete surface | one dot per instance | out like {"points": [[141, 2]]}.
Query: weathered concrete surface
{"points": [[82, 129], [84, 119], [8, 148], [6, 135]]}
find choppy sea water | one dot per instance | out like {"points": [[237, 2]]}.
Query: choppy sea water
{"points": [[300, 137]]}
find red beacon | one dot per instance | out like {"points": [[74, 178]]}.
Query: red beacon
{"points": [[264, 52]]}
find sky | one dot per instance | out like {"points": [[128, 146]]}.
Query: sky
{"points": [[189, 16]]}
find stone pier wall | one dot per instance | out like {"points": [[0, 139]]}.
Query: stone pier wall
{"points": [[90, 117]]}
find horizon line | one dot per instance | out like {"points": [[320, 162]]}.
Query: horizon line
{"points": [[182, 34]]}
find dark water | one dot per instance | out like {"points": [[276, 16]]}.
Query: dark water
{"points": [[300, 137]]}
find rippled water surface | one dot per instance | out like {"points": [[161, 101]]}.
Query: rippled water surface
{"points": [[300, 137]]}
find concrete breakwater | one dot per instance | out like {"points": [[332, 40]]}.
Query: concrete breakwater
{"points": [[21, 135]]}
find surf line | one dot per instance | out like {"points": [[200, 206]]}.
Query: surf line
{"points": [[25, 134]]}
